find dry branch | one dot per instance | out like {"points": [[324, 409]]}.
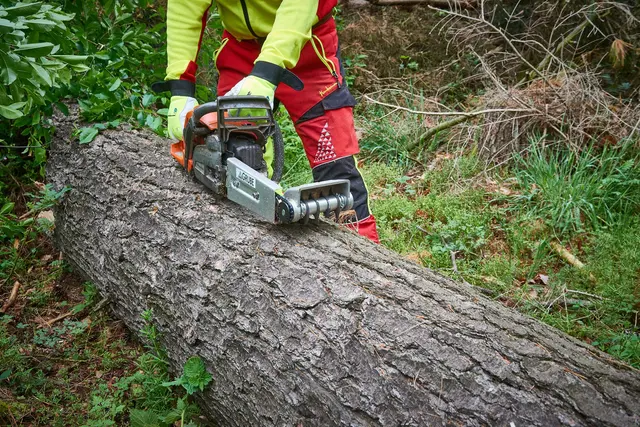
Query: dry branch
{"points": [[570, 258], [12, 297], [459, 4]]}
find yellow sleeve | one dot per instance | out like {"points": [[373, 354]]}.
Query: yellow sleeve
{"points": [[186, 21], [291, 30]]}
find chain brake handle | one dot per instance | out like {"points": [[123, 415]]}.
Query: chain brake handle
{"points": [[262, 126]]}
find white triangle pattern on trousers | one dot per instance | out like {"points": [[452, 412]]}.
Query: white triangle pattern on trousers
{"points": [[325, 146]]}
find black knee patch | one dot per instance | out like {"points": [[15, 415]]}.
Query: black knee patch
{"points": [[345, 168]]}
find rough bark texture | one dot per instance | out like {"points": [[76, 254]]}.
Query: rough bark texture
{"points": [[312, 326]]}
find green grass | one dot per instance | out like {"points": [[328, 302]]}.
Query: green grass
{"points": [[501, 242], [580, 191], [87, 371]]}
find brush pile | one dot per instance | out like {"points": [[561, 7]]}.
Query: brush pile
{"points": [[573, 109]]}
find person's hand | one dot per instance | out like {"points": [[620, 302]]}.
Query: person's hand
{"points": [[178, 109], [252, 85]]}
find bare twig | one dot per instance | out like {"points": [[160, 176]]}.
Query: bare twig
{"points": [[464, 4], [467, 114], [100, 305], [498, 31], [12, 297], [57, 319], [434, 130], [571, 291]]}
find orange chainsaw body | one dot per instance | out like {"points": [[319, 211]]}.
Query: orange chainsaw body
{"points": [[177, 148]]}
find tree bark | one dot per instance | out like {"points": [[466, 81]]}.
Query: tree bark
{"points": [[311, 326]]}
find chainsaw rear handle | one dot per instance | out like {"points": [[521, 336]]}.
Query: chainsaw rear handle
{"points": [[204, 109]]}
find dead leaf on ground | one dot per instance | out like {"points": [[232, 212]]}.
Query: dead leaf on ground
{"points": [[417, 257], [48, 215]]}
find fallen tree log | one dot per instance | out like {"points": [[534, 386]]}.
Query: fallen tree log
{"points": [[311, 326]]}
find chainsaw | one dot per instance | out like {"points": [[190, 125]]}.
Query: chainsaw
{"points": [[225, 152]]}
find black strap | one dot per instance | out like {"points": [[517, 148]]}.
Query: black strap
{"points": [[276, 75], [324, 19], [177, 87]]}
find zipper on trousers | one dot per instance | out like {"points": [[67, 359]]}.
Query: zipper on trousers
{"points": [[245, 12], [323, 58]]}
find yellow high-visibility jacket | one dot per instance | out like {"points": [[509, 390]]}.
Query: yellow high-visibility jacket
{"points": [[285, 26]]}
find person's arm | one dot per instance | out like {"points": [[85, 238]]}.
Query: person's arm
{"points": [[291, 30], [186, 21], [281, 50]]}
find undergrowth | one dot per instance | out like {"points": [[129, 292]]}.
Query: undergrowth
{"points": [[579, 191], [499, 233], [57, 348]]}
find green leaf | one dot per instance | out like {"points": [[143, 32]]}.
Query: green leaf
{"points": [[8, 73], [6, 208], [40, 24], [35, 50], [115, 85], [6, 26], [42, 73], [147, 99], [139, 418], [63, 107], [5, 374], [80, 68], [126, 36], [59, 16], [172, 383], [122, 17], [86, 135], [157, 122], [71, 59], [12, 111], [153, 122], [195, 375], [23, 9], [163, 111]]}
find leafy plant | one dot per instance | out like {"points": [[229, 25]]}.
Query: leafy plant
{"points": [[407, 63], [32, 47], [36, 62], [121, 39], [194, 377], [88, 133], [351, 65]]}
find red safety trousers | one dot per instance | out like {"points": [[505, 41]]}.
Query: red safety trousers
{"points": [[322, 112]]}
